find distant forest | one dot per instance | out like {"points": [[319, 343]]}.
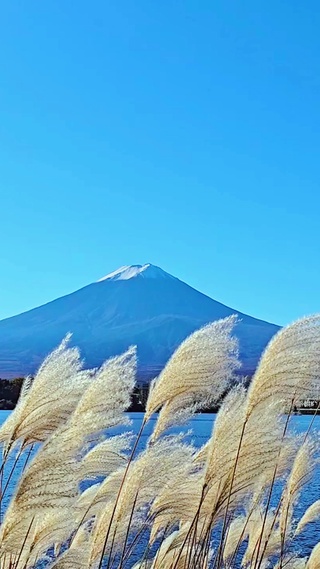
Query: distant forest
{"points": [[10, 390]]}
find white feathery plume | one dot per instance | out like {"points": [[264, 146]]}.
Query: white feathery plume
{"points": [[254, 442], [289, 369], [94, 499], [73, 558], [168, 554], [103, 404], [240, 463], [49, 480], [26, 385], [196, 376], [48, 484], [51, 529], [223, 444], [245, 447], [50, 398], [237, 532], [312, 514], [104, 524], [175, 552], [261, 528], [52, 477], [314, 559], [77, 554], [176, 502], [300, 475], [236, 456], [151, 471], [105, 457], [211, 486], [86, 500]]}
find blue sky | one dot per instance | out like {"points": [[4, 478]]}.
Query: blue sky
{"points": [[185, 134]]}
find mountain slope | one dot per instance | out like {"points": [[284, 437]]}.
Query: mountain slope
{"points": [[140, 304]]}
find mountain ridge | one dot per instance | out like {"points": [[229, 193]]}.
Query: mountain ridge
{"points": [[136, 304]]}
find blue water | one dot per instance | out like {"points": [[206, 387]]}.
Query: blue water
{"points": [[201, 428]]}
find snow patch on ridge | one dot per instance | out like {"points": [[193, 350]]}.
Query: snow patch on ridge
{"points": [[127, 272]]}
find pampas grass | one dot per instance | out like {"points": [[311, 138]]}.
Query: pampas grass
{"points": [[105, 457], [196, 376], [48, 401], [228, 504], [311, 515]]}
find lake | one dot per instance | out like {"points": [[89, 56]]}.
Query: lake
{"points": [[201, 427]]}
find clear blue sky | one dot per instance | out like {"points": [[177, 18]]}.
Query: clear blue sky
{"points": [[181, 133]]}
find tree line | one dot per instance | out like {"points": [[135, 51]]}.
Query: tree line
{"points": [[9, 392]]}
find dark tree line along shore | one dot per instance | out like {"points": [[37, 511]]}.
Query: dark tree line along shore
{"points": [[10, 391]]}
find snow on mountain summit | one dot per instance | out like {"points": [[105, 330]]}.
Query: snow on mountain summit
{"points": [[127, 272]]}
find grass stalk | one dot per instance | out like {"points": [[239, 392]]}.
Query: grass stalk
{"points": [[120, 490], [257, 566], [128, 530], [221, 545]]}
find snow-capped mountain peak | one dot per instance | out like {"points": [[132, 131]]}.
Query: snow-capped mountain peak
{"points": [[127, 272], [138, 305]]}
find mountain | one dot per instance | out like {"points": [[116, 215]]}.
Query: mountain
{"points": [[138, 304]]}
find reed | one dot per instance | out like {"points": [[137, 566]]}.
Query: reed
{"points": [[232, 503]]}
